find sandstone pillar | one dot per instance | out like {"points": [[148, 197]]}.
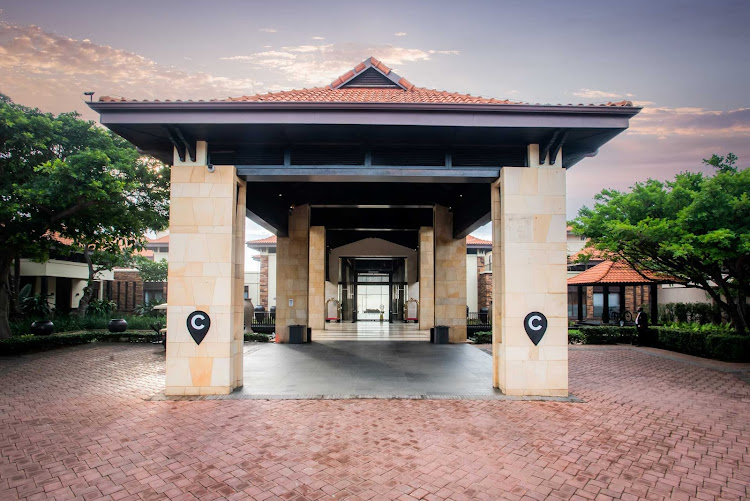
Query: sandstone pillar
{"points": [[426, 278], [292, 261], [206, 273], [529, 275], [317, 284], [450, 276]]}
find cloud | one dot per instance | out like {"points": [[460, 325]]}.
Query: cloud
{"points": [[660, 143], [400, 34], [319, 64], [268, 30], [596, 94], [318, 38], [667, 122], [50, 71]]}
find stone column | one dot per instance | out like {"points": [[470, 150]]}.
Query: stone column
{"points": [[317, 288], [206, 273], [426, 278], [450, 276], [529, 275], [292, 260]]}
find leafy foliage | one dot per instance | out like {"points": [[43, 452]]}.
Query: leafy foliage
{"points": [[482, 337], [695, 228], [101, 308], [151, 271], [66, 183], [146, 309]]}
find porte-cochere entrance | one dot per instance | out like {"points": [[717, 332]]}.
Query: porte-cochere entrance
{"points": [[368, 156]]}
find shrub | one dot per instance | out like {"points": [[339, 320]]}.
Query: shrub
{"points": [[261, 338], [72, 323], [19, 345], [704, 343], [604, 334], [699, 341], [575, 337], [100, 308], [699, 313], [146, 309], [483, 337]]}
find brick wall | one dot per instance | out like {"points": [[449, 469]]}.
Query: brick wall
{"points": [[127, 290], [263, 283], [484, 284]]}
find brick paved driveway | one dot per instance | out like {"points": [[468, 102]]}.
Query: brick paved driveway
{"points": [[74, 423]]}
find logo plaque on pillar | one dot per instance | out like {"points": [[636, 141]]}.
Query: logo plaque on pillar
{"points": [[535, 324], [198, 323]]}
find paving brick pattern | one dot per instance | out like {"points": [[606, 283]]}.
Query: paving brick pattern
{"points": [[74, 424]]}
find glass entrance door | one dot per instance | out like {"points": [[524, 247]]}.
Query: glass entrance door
{"points": [[372, 301]]}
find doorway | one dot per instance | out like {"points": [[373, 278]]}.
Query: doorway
{"points": [[373, 300]]}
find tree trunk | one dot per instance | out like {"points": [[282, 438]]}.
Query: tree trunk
{"points": [[15, 305], [88, 291], [6, 262]]}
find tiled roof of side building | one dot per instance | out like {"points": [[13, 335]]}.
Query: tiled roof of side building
{"points": [[472, 240], [161, 240], [617, 272], [591, 253], [399, 91], [271, 239]]}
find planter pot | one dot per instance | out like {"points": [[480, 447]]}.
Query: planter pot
{"points": [[117, 325], [42, 328]]}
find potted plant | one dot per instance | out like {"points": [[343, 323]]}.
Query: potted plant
{"points": [[36, 306]]}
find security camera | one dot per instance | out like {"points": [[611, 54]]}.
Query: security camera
{"points": [[211, 168]]}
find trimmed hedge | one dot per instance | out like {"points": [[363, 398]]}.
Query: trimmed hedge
{"points": [[483, 337], [717, 345], [19, 345], [73, 323], [261, 338]]}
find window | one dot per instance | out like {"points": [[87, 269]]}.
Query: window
{"points": [[247, 292], [614, 302]]}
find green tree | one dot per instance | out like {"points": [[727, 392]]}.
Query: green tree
{"points": [[151, 271], [63, 178], [695, 228]]}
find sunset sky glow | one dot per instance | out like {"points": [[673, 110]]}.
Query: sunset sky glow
{"points": [[687, 63]]}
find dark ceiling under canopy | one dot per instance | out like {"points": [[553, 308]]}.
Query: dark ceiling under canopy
{"points": [[370, 139]]}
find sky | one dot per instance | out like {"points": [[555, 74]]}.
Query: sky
{"points": [[686, 62]]}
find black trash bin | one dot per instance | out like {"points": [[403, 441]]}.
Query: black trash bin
{"points": [[297, 334], [260, 312], [309, 335], [442, 334], [484, 312]]}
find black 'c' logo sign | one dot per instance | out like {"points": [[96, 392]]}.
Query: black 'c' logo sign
{"points": [[198, 323], [535, 324]]}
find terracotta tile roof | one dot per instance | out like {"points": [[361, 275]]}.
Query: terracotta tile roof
{"points": [[592, 253], [161, 240], [616, 272], [406, 93], [472, 240], [271, 239]]}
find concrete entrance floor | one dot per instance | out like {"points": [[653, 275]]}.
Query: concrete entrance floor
{"points": [[371, 331], [366, 368]]}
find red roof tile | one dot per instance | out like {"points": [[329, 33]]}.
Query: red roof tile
{"points": [[617, 272], [161, 240], [331, 94], [271, 239], [472, 240], [592, 254]]}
